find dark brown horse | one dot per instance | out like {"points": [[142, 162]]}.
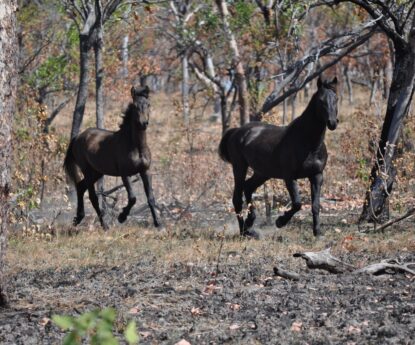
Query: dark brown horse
{"points": [[289, 153], [97, 152]]}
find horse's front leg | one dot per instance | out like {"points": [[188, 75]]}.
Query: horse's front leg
{"points": [[150, 197], [295, 203], [316, 182], [131, 199]]}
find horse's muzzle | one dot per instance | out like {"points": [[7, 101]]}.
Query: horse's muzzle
{"points": [[332, 125], [144, 125]]}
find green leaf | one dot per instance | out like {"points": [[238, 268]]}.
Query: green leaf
{"points": [[130, 333], [64, 322], [72, 338], [108, 314]]}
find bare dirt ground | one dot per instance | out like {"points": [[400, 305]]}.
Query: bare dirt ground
{"points": [[209, 289]]}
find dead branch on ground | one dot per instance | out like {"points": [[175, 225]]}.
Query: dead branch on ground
{"points": [[325, 261]]}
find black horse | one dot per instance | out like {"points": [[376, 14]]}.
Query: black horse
{"points": [[289, 153], [97, 152]]}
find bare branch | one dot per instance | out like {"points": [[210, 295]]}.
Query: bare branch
{"points": [[295, 70]]}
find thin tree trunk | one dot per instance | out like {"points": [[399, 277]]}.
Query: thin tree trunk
{"points": [[349, 84], [124, 47], [99, 95], [284, 111], [83, 86], [99, 85], [293, 106], [224, 112], [185, 89], [400, 96], [240, 78], [8, 82]]}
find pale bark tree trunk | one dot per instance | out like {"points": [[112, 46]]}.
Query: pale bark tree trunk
{"points": [[124, 47], [348, 83], [99, 89], [8, 82], [240, 78], [99, 78], [185, 88]]}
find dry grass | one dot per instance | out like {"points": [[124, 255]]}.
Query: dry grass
{"points": [[127, 245]]}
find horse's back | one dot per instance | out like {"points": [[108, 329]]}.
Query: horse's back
{"points": [[273, 151], [93, 149]]}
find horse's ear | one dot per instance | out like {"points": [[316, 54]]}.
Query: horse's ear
{"points": [[319, 82], [132, 92], [334, 81]]}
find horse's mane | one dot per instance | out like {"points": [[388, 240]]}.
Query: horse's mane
{"points": [[132, 110]]}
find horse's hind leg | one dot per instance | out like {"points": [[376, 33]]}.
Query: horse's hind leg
{"points": [[316, 182], [250, 187], [94, 198], [295, 204], [239, 174], [131, 200], [80, 211], [150, 197]]}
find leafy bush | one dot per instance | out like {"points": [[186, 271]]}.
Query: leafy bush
{"points": [[96, 325]]}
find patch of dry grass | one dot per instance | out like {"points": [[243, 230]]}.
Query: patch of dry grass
{"points": [[126, 245]]}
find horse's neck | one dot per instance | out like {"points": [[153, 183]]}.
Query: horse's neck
{"points": [[312, 130]]}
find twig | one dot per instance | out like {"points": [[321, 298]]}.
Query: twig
{"points": [[222, 239], [278, 271], [408, 214], [113, 190]]}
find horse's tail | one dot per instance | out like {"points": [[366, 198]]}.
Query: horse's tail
{"points": [[70, 165], [223, 146]]}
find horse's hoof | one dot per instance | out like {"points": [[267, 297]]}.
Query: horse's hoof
{"points": [[280, 222], [122, 218], [105, 226], [251, 234], [249, 221], [317, 233], [77, 220]]}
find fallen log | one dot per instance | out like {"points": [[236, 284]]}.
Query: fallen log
{"points": [[278, 271], [325, 261], [385, 265]]}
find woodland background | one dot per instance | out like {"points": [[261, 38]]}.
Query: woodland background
{"points": [[210, 65]]}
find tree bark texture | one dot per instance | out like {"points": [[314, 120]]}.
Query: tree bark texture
{"points": [[400, 97], [82, 96], [8, 83], [240, 78], [99, 78], [185, 88]]}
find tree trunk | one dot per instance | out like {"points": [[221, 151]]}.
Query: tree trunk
{"points": [[99, 97], [82, 96], [8, 81], [224, 112], [99, 77], [349, 84], [400, 96], [124, 47], [293, 106], [240, 78], [185, 88]]}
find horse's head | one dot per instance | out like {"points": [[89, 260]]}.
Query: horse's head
{"points": [[327, 99], [141, 106]]}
